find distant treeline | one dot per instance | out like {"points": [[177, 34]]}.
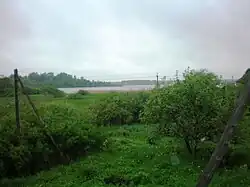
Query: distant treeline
{"points": [[46, 83], [137, 82], [61, 80], [64, 80], [7, 89]]}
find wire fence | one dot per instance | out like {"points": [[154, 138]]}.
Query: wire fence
{"points": [[20, 88]]}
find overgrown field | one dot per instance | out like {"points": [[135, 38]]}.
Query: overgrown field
{"points": [[131, 161], [159, 138]]}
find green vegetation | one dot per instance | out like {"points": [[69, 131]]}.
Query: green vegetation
{"points": [[7, 89], [49, 90], [61, 80], [132, 162], [192, 109], [79, 95], [159, 138], [118, 109], [31, 150]]}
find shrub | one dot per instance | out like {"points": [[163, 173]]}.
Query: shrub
{"points": [[79, 95], [111, 110], [137, 101], [82, 92], [32, 91], [192, 109], [75, 96], [118, 109], [52, 91], [238, 154], [31, 150], [6, 87], [242, 135]]}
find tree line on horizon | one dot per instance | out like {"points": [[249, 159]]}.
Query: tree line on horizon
{"points": [[46, 83], [65, 80], [61, 80]]}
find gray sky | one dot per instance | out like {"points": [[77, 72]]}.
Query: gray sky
{"points": [[118, 39]]}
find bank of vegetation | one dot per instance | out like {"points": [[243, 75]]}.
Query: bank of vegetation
{"points": [[160, 137]]}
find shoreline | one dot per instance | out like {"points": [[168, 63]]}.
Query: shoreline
{"points": [[110, 91]]}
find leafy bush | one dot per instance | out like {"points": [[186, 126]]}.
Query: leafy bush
{"points": [[7, 92], [32, 91], [192, 109], [6, 87], [111, 110], [31, 150], [242, 135], [118, 109], [137, 101], [79, 95], [237, 158], [52, 91], [75, 96], [82, 92]]}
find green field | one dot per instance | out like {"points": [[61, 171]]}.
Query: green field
{"points": [[117, 139], [129, 160]]}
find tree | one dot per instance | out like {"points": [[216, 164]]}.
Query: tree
{"points": [[191, 109], [6, 87], [60, 80]]}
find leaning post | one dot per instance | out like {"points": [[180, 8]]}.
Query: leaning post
{"points": [[223, 145]]}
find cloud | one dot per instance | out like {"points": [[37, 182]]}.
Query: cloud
{"points": [[219, 33], [109, 38], [13, 28]]}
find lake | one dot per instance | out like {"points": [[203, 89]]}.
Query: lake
{"points": [[124, 88]]}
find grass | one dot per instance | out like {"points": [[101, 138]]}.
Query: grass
{"points": [[128, 160], [82, 103]]}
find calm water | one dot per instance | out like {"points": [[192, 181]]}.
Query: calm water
{"points": [[104, 89]]}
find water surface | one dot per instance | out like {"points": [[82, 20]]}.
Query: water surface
{"points": [[108, 89]]}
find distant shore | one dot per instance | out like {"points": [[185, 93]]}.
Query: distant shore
{"points": [[127, 88], [108, 91]]}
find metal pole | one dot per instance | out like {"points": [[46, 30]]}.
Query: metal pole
{"points": [[16, 99], [157, 80], [177, 76], [41, 120]]}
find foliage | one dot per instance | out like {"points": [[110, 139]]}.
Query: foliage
{"points": [[111, 110], [44, 90], [79, 95], [83, 92], [6, 87], [137, 101], [32, 91], [31, 150], [242, 135], [118, 109], [61, 80], [192, 109], [132, 162], [75, 96], [49, 90], [131, 157]]}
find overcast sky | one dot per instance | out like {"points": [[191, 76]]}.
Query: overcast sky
{"points": [[118, 39]]}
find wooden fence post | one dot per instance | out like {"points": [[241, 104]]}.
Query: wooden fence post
{"points": [[223, 145]]}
